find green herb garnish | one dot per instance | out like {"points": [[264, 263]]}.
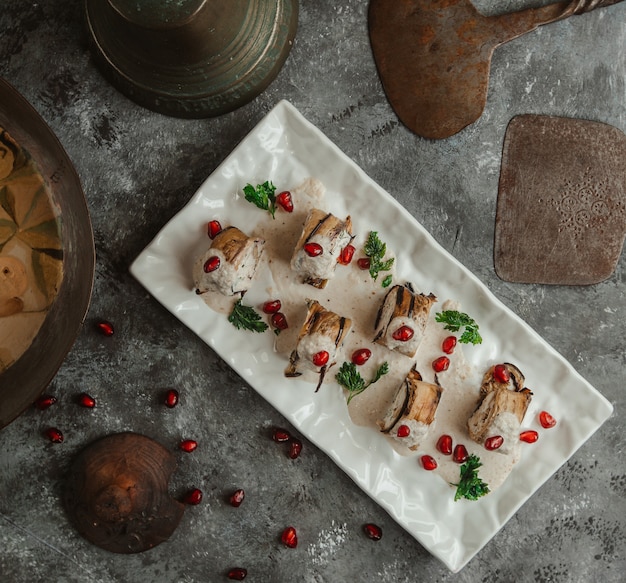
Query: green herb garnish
{"points": [[455, 320], [375, 249], [246, 318], [470, 486], [262, 196], [349, 378]]}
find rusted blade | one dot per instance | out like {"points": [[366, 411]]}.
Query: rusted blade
{"points": [[561, 212]]}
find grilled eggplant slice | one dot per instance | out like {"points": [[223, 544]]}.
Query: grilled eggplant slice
{"points": [[402, 319], [322, 331], [501, 409], [414, 405], [320, 244], [229, 265]]}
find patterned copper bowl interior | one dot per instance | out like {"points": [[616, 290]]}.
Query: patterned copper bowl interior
{"points": [[26, 378]]}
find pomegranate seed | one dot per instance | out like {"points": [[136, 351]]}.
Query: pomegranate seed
{"points": [[45, 401], [546, 420], [313, 249], [361, 356], [188, 445], [105, 328], [320, 358], [279, 321], [429, 462], [403, 431], [440, 364], [289, 537], [85, 400], [449, 344], [295, 447], [211, 264], [237, 574], [494, 442], [280, 435], [529, 436], [501, 374], [213, 228], [272, 306], [460, 454], [403, 334], [236, 498], [171, 398], [284, 200], [346, 255], [193, 497], [363, 263], [444, 444], [373, 531], [54, 435]]}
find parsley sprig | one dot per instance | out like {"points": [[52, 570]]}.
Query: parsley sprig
{"points": [[375, 249], [246, 318], [262, 196], [349, 377], [470, 486], [455, 320]]}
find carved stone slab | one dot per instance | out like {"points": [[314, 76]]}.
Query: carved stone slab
{"points": [[561, 211]]}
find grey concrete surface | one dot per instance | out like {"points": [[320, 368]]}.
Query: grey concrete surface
{"points": [[139, 168]]}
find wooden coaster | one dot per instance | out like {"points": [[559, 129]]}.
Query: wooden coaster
{"points": [[561, 211]]}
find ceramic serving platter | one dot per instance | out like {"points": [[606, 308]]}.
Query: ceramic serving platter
{"points": [[285, 148]]}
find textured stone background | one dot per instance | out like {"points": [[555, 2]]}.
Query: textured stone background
{"points": [[139, 168]]}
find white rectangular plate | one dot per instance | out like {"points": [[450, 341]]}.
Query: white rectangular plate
{"points": [[285, 148]]}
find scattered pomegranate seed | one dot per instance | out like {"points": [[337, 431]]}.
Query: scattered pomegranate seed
{"points": [[279, 321], [188, 445], [546, 420], [403, 431], [54, 435], [403, 334], [313, 249], [289, 537], [501, 374], [494, 442], [361, 356], [460, 454], [364, 263], [237, 574], [45, 401], [440, 364], [373, 531], [171, 398], [320, 358], [193, 497], [529, 436], [105, 328], [449, 344], [295, 447], [346, 255], [280, 435], [444, 444], [272, 306], [236, 498], [213, 228], [87, 401], [285, 201], [211, 264], [429, 462]]}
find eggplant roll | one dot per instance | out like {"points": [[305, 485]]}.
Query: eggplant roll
{"points": [[323, 331], [320, 244], [414, 405], [501, 408], [402, 319], [229, 265]]}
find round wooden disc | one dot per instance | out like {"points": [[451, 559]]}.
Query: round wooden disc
{"points": [[116, 493]]}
